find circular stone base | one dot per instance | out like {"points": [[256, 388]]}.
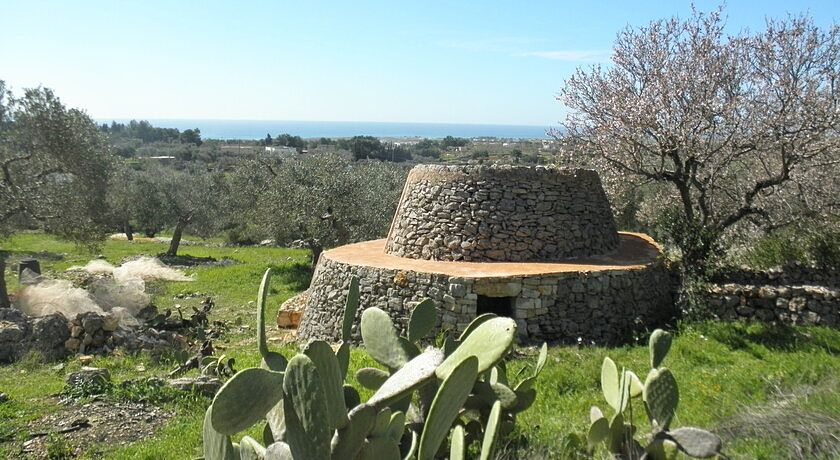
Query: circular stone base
{"points": [[599, 299]]}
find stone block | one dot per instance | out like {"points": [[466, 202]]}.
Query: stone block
{"points": [[496, 288]]}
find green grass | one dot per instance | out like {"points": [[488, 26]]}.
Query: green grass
{"points": [[723, 369]]}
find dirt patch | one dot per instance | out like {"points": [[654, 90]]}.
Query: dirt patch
{"points": [[76, 427]]}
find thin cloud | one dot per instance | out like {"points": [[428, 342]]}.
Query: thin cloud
{"points": [[571, 55]]}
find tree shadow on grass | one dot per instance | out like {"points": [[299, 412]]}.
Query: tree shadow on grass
{"points": [[186, 260], [297, 275], [777, 337], [17, 256]]}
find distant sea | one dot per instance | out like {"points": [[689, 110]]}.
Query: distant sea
{"points": [[257, 129]]}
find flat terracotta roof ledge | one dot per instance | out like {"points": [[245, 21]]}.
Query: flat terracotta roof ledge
{"points": [[636, 251]]}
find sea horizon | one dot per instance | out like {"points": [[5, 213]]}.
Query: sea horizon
{"points": [[257, 129]]}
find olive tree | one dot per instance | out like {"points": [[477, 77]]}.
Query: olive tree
{"points": [[54, 169], [731, 126], [320, 201]]}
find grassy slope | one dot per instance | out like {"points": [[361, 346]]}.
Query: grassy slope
{"points": [[722, 368]]}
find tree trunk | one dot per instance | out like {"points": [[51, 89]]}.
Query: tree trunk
{"points": [[4, 294], [176, 238], [129, 235], [316, 254]]}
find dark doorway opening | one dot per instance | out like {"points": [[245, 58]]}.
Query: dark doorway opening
{"points": [[501, 306]]}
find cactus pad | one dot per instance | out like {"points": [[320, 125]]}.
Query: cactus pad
{"points": [[696, 442], [541, 359], [489, 342], [599, 430], [371, 377], [217, 446], [422, 320], [662, 396], [250, 449], [477, 321], [414, 374], [457, 446], [615, 386], [381, 339], [332, 381], [350, 309], [660, 343], [491, 431], [305, 410], [446, 405], [278, 451], [348, 441], [245, 399]]}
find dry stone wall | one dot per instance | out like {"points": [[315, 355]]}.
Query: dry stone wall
{"points": [[788, 304], [502, 213], [602, 306]]}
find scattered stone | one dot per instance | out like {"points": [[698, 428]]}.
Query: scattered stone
{"points": [[205, 385], [3, 398], [88, 376], [102, 422]]}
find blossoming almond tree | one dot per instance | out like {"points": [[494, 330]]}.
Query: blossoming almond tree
{"points": [[731, 125]]}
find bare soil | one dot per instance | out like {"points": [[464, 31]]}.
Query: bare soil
{"points": [[75, 427]]}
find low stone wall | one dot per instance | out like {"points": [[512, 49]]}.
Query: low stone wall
{"points": [[791, 304], [604, 307], [501, 213], [788, 275]]}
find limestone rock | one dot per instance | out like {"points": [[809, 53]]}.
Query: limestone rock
{"points": [[205, 385], [291, 311], [89, 376], [49, 333]]}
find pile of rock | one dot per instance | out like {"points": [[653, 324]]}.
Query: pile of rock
{"points": [[291, 311], [54, 337], [20, 334], [90, 331]]}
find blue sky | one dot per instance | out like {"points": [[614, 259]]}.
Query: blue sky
{"points": [[425, 61]]}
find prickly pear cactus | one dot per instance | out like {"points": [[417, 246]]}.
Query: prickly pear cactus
{"points": [[349, 440], [332, 381], [312, 414]]}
